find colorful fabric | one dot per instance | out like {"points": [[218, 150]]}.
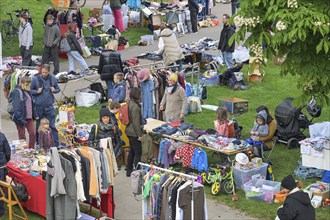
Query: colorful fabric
{"points": [[186, 153]]}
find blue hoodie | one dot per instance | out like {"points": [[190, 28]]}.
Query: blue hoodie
{"points": [[199, 160]]}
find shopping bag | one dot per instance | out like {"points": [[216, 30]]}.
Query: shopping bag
{"points": [[87, 97], [86, 52]]}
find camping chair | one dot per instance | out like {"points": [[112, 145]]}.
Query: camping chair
{"points": [[267, 158]]}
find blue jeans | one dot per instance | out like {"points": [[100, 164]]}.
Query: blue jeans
{"points": [[110, 85], [49, 113], [75, 55], [228, 59]]}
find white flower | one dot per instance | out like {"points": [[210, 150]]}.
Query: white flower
{"points": [[280, 26], [292, 4]]}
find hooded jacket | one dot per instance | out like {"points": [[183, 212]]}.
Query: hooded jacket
{"points": [[225, 35], [109, 64], [172, 51], [4, 150], [262, 129], [25, 35], [52, 35], [297, 206], [119, 91]]}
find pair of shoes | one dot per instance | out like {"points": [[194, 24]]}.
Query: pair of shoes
{"points": [[128, 173], [244, 87]]}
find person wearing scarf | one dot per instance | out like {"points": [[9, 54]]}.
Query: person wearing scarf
{"points": [[174, 101]]}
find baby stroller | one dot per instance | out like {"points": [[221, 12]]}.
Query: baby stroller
{"points": [[291, 122]]}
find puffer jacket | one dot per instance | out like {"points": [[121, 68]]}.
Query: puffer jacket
{"points": [[52, 35], [109, 64], [19, 106], [172, 50], [134, 128], [101, 130], [4, 150], [225, 35]]}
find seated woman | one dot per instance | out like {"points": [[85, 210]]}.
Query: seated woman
{"points": [[268, 139]]}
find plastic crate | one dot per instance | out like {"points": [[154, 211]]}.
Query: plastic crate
{"points": [[243, 176], [261, 189], [148, 38], [213, 81]]}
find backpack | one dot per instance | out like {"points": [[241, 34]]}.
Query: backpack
{"points": [[123, 114], [10, 107], [137, 181], [64, 45]]}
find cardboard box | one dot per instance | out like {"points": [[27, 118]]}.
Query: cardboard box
{"points": [[234, 105], [324, 195], [95, 12], [157, 19], [134, 24]]}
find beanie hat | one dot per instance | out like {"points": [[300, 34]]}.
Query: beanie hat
{"points": [[288, 182], [173, 77], [104, 111]]}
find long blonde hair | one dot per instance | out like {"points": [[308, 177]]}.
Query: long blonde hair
{"points": [[41, 128], [25, 83]]}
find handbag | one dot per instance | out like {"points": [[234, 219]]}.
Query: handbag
{"points": [[123, 114], [20, 190]]}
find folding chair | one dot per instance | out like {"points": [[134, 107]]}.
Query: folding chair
{"points": [[267, 159]]}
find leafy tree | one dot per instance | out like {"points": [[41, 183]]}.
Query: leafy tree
{"points": [[297, 29]]}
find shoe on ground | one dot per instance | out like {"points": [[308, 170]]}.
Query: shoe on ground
{"points": [[128, 173], [244, 87]]}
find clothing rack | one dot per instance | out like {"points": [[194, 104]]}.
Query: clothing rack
{"points": [[27, 67], [193, 178]]}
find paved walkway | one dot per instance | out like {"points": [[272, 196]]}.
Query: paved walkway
{"points": [[126, 206]]}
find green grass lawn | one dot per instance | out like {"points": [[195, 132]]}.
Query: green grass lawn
{"points": [[271, 92], [38, 9]]}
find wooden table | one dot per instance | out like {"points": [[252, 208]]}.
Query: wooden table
{"points": [[154, 123]]}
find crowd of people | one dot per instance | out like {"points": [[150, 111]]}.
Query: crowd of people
{"points": [[33, 100]]}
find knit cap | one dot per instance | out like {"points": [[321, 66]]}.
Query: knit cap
{"points": [[288, 182], [104, 111], [173, 77]]}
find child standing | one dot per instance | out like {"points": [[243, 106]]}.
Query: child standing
{"points": [[260, 129], [221, 124], [119, 88], [45, 135]]}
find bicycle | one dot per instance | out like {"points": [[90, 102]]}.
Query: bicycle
{"points": [[10, 28], [213, 178]]}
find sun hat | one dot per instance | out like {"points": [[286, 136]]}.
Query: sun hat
{"points": [[143, 74], [241, 158]]}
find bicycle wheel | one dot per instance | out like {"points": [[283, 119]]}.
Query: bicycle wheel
{"points": [[7, 32], [215, 188], [81, 3], [227, 186], [204, 176]]}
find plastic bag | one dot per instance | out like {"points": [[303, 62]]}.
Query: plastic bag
{"points": [[87, 97]]}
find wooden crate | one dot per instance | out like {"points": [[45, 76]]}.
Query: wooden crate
{"points": [[234, 105]]}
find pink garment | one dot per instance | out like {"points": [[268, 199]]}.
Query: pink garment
{"points": [[118, 20], [221, 128]]}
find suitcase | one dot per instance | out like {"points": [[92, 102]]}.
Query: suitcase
{"points": [[99, 88]]}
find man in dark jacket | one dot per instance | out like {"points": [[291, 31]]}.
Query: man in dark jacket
{"points": [[4, 159], [109, 64], [297, 204], [43, 88], [226, 49], [193, 8], [51, 39]]}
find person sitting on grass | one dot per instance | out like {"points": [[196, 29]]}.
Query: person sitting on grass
{"points": [[221, 124], [297, 204]]}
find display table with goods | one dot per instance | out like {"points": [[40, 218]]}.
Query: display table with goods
{"points": [[33, 167], [226, 146]]}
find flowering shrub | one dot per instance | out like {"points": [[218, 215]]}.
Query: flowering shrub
{"points": [[298, 29]]}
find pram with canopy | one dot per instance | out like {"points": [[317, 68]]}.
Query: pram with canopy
{"points": [[292, 122]]}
